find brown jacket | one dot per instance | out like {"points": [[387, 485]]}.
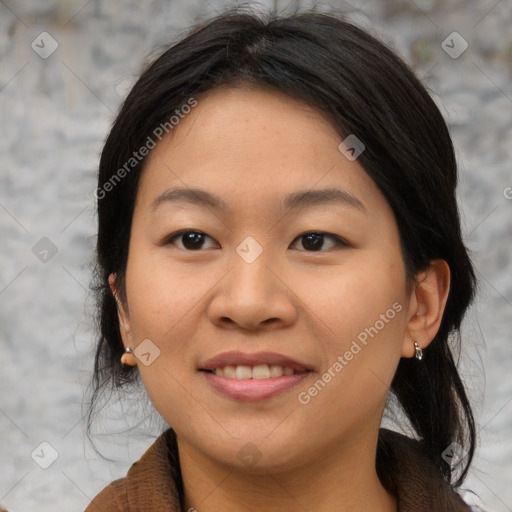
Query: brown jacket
{"points": [[154, 483]]}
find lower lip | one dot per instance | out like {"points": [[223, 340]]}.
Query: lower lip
{"points": [[253, 390]]}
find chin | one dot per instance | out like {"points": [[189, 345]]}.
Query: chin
{"points": [[256, 454]]}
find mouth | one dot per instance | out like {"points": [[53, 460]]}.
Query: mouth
{"points": [[253, 377], [258, 372], [261, 365]]}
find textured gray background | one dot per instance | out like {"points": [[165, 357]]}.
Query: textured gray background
{"points": [[55, 113]]}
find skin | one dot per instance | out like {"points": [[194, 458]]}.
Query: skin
{"points": [[252, 147]]}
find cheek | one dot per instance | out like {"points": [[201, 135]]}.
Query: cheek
{"points": [[353, 299], [163, 306], [161, 295], [364, 310]]}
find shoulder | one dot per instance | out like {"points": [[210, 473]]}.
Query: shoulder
{"points": [[406, 470], [112, 498], [152, 482]]}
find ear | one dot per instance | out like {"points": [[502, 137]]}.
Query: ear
{"points": [[122, 314], [426, 305]]}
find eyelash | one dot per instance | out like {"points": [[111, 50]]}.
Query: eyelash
{"points": [[338, 241]]}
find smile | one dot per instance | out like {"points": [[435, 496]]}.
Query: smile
{"points": [[253, 377], [259, 372]]}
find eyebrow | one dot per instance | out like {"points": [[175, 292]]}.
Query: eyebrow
{"points": [[295, 201]]}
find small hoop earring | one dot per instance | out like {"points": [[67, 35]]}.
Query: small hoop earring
{"points": [[128, 358], [418, 352]]}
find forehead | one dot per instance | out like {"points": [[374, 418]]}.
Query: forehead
{"points": [[252, 146]]}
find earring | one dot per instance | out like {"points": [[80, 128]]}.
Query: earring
{"points": [[418, 352], [128, 358], [112, 284]]}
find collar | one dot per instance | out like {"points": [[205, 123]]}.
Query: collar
{"points": [[154, 482]]}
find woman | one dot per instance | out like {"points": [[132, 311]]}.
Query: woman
{"points": [[279, 258]]}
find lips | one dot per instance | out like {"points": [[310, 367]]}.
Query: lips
{"points": [[253, 377]]}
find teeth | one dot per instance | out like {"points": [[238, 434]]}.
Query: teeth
{"points": [[243, 372], [229, 372], [276, 371], [261, 371]]}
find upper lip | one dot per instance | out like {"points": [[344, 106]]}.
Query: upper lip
{"points": [[236, 358]]}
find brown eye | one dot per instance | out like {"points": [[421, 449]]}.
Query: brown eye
{"points": [[191, 240], [314, 241]]}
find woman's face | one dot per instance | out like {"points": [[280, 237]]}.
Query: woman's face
{"points": [[261, 345]]}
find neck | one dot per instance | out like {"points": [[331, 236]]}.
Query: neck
{"points": [[336, 482]]}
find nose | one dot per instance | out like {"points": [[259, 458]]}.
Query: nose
{"points": [[254, 296]]}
